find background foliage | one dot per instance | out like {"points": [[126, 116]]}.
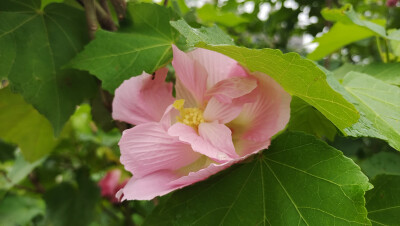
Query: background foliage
{"points": [[337, 163]]}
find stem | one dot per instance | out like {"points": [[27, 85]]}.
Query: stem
{"points": [[120, 7], [104, 5], [35, 181], [386, 50], [104, 17], [378, 43], [127, 215], [91, 18], [165, 2]]}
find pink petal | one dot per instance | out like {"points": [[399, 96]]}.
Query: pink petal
{"points": [[191, 75], [109, 182], [183, 93], [203, 174], [213, 140], [147, 148], [269, 114], [141, 99], [148, 187], [221, 112], [218, 66], [232, 88]]}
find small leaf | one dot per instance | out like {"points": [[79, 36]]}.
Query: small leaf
{"points": [[347, 15], [338, 36], [19, 210], [349, 27], [210, 35], [34, 45], [21, 124], [299, 77], [19, 171], [211, 14], [299, 180], [145, 45], [383, 202]]}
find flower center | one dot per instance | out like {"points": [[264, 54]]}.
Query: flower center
{"points": [[188, 116]]}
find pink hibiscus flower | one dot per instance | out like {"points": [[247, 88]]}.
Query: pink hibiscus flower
{"points": [[220, 116]]}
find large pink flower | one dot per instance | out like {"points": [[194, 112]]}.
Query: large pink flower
{"points": [[221, 115]]}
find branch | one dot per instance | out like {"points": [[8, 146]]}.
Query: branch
{"points": [[91, 18], [120, 8], [104, 17]]}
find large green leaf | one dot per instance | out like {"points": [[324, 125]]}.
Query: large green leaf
{"points": [[379, 105], [304, 117], [23, 125], [144, 45], [387, 72], [34, 45], [299, 77], [70, 205], [381, 163], [383, 202], [299, 180], [211, 35]]}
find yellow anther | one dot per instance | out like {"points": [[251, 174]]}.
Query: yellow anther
{"points": [[189, 116]]}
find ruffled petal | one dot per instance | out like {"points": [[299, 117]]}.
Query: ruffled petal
{"points": [[142, 99], [191, 75], [266, 116], [147, 148], [213, 140], [218, 66], [227, 90], [148, 187]]}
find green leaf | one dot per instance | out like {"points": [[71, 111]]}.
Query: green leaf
{"points": [[34, 45], [47, 2], [387, 72], [347, 15], [211, 14], [379, 104], [210, 35], [69, 205], [338, 36], [23, 125], [19, 210], [299, 180], [299, 77], [19, 171], [383, 202], [381, 163], [395, 41], [349, 28], [304, 117], [145, 45]]}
